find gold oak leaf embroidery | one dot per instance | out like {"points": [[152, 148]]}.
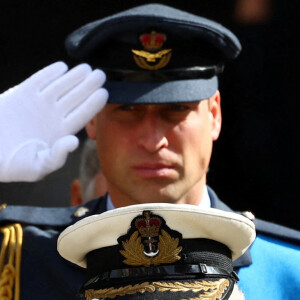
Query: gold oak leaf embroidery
{"points": [[126, 290], [168, 251], [212, 290]]}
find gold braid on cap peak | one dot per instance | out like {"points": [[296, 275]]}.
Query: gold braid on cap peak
{"points": [[10, 261], [210, 290]]}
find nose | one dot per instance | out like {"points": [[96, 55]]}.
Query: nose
{"points": [[152, 133]]}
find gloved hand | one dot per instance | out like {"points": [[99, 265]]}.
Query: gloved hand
{"points": [[39, 117]]}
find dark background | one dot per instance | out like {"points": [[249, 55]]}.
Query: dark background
{"points": [[255, 161]]}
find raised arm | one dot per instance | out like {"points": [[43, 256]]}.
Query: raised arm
{"points": [[40, 117]]}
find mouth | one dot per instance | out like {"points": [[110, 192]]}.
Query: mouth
{"points": [[155, 170]]}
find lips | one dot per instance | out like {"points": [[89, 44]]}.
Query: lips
{"points": [[154, 170]]}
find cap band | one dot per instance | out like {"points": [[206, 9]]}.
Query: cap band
{"points": [[194, 252], [170, 270], [163, 75]]}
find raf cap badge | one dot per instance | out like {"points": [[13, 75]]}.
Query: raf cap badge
{"points": [[152, 58]]}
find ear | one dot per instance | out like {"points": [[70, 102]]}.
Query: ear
{"points": [[216, 115], [91, 129], [76, 198]]}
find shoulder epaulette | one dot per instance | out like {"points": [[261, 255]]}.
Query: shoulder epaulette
{"points": [[50, 216], [277, 231]]}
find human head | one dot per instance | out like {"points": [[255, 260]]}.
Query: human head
{"points": [[155, 134], [91, 182]]}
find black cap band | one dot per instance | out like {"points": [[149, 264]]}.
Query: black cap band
{"points": [[170, 270], [163, 75], [195, 252]]}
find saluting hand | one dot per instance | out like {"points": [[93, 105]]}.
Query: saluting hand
{"points": [[39, 117]]}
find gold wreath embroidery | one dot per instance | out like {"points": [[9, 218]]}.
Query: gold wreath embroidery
{"points": [[142, 58], [212, 290], [168, 251]]}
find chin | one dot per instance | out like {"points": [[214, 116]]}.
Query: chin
{"points": [[160, 197]]}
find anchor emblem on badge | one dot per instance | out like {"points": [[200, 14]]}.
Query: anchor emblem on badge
{"points": [[148, 228]]}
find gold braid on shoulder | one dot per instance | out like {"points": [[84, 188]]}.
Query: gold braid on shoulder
{"points": [[10, 261]]}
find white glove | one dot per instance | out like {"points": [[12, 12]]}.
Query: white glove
{"points": [[39, 117]]}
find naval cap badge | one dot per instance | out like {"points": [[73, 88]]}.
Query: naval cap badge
{"points": [[152, 58], [150, 241]]}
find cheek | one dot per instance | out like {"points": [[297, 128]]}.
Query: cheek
{"points": [[105, 145], [113, 144], [196, 141], [193, 132]]}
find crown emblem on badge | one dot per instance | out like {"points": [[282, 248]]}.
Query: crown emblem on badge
{"points": [[152, 58], [148, 226], [153, 41], [150, 242]]}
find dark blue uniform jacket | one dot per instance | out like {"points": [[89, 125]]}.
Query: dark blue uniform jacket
{"points": [[270, 270]]}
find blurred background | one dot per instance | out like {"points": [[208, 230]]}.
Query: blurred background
{"points": [[255, 163]]}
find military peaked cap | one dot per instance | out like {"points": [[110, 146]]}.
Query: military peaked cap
{"points": [[155, 54], [158, 251]]}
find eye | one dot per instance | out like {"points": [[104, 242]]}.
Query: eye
{"points": [[127, 113], [126, 107], [176, 112], [178, 107]]}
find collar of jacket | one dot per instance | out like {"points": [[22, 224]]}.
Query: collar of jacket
{"points": [[65, 216]]}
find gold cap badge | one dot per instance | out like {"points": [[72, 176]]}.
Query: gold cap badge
{"points": [[150, 242], [152, 58]]}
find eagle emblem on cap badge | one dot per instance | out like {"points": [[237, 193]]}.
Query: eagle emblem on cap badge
{"points": [[150, 242], [152, 58]]}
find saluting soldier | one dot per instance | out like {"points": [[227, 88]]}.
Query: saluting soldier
{"points": [[154, 138]]}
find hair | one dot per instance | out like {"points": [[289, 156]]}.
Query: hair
{"points": [[88, 168]]}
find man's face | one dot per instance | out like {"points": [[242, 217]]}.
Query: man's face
{"points": [[156, 153]]}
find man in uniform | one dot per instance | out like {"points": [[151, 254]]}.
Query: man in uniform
{"points": [[154, 140]]}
